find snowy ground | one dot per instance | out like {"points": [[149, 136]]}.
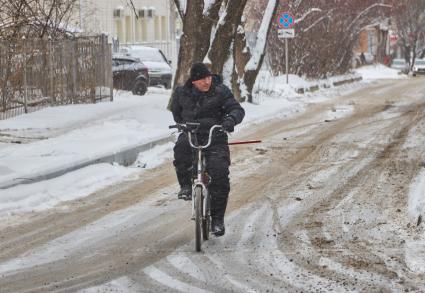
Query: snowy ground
{"points": [[64, 134], [58, 136], [61, 136]]}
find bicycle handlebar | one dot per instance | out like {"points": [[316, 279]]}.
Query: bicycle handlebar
{"points": [[188, 126], [192, 127]]}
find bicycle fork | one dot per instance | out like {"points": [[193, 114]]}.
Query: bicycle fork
{"points": [[200, 182]]}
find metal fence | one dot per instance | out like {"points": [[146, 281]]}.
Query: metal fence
{"points": [[39, 73]]}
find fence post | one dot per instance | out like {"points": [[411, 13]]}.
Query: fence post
{"points": [[93, 49], [24, 49], [103, 60], [74, 69], [51, 74], [110, 76]]}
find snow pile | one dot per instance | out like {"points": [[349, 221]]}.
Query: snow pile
{"points": [[52, 121], [415, 246], [417, 197], [46, 194], [270, 86], [333, 79], [78, 184], [379, 71]]}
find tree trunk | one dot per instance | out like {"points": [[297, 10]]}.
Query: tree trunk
{"points": [[225, 34], [253, 65], [195, 41], [241, 56]]}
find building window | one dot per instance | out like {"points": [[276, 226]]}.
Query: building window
{"points": [[118, 13], [151, 12], [141, 13]]}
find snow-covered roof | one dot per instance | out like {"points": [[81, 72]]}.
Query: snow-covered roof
{"points": [[382, 24]]}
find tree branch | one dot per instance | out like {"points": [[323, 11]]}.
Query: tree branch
{"points": [[134, 8], [298, 20], [361, 14]]}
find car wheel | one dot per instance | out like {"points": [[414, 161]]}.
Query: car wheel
{"points": [[167, 85], [140, 88]]}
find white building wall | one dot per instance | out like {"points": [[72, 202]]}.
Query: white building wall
{"points": [[97, 16]]}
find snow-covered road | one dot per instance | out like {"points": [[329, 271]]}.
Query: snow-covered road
{"points": [[330, 201]]}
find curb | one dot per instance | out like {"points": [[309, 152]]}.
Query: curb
{"points": [[125, 157], [314, 88]]}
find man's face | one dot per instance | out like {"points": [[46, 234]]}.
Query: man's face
{"points": [[203, 85]]}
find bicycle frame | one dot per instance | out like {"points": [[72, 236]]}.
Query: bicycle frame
{"points": [[199, 181]]}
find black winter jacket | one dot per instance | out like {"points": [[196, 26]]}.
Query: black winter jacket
{"points": [[192, 105]]}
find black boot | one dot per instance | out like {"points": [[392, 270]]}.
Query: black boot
{"points": [[185, 193], [217, 227]]}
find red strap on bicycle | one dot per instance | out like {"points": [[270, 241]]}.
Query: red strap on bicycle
{"points": [[244, 142]]}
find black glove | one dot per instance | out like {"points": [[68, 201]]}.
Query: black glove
{"points": [[207, 123], [228, 124]]}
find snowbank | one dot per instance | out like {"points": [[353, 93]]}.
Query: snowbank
{"points": [[379, 71], [415, 246], [417, 197]]}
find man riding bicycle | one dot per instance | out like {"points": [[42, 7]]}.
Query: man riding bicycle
{"points": [[206, 100]]}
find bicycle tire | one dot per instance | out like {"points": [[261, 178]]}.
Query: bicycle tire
{"points": [[206, 223], [198, 217]]}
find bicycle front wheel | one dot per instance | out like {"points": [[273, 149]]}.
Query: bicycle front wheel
{"points": [[198, 217], [206, 222]]}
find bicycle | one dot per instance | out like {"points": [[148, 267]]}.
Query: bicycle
{"points": [[201, 201]]}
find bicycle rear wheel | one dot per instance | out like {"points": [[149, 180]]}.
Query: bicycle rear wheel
{"points": [[198, 217]]}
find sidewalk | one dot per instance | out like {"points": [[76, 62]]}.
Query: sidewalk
{"points": [[53, 141]]}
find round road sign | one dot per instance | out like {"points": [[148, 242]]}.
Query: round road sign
{"points": [[286, 20]]}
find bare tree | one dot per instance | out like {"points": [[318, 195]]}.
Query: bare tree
{"points": [[28, 19], [35, 18], [224, 35], [198, 22], [409, 18], [326, 34], [248, 62], [215, 34]]}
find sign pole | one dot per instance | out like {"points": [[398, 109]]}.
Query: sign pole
{"points": [[287, 60], [286, 21]]}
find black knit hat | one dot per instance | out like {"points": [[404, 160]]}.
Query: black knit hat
{"points": [[199, 71]]}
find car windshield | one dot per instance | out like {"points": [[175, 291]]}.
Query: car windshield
{"points": [[420, 62], [148, 55]]}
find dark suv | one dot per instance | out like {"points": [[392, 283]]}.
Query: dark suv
{"points": [[130, 74], [160, 71]]}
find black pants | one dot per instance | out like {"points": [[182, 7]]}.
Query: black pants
{"points": [[217, 157]]}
